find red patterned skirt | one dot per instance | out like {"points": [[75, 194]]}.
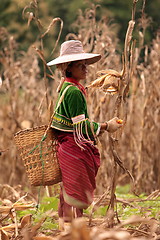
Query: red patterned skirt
{"points": [[79, 168]]}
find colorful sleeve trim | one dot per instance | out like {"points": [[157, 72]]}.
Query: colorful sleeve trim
{"points": [[78, 119], [80, 123]]}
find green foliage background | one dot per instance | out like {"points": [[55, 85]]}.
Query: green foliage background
{"points": [[116, 11]]}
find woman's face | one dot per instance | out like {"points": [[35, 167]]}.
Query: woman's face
{"points": [[78, 69]]}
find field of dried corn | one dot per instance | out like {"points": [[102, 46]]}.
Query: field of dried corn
{"points": [[27, 99]]}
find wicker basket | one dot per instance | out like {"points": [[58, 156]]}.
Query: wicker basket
{"points": [[39, 155]]}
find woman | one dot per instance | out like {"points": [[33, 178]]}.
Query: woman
{"points": [[78, 156]]}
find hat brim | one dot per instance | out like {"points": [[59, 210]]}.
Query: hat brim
{"points": [[89, 57]]}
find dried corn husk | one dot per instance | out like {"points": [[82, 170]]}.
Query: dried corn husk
{"points": [[4, 235], [98, 82], [108, 81], [43, 237], [10, 227], [26, 220], [16, 206]]}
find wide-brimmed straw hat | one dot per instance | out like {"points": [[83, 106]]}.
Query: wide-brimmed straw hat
{"points": [[72, 50]]}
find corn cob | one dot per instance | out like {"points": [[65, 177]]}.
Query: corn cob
{"points": [[108, 82], [120, 121]]}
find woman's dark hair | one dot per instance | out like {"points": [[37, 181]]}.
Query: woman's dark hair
{"points": [[68, 74]]}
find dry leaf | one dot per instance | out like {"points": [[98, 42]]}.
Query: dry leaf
{"points": [[10, 227], [80, 230], [20, 207], [30, 18], [134, 220], [111, 72], [4, 235], [26, 220], [16, 206], [5, 209], [36, 227], [98, 82], [121, 235], [43, 237]]}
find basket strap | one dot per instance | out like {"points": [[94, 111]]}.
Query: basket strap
{"points": [[61, 99], [58, 104]]}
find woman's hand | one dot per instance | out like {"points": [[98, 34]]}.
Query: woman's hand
{"points": [[114, 124]]}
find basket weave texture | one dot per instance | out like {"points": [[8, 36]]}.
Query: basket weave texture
{"points": [[39, 155]]}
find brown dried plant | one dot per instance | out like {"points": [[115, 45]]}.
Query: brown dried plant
{"points": [[23, 101], [25, 98]]}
